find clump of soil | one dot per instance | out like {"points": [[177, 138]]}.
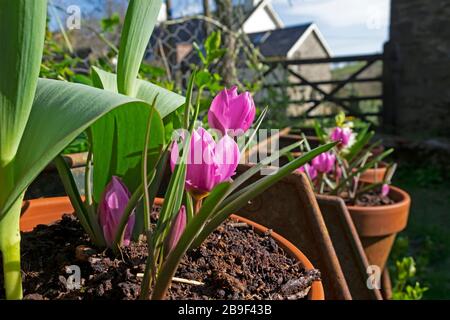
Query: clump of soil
{"points": [[373, 199], [233, 263]]}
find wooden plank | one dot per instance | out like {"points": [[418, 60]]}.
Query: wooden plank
{"points": [[355, 58], [319, 83], [337, 100], [324, 116], [340, 86]]}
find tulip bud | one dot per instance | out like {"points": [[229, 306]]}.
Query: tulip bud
{"points": [[230, 111], [324, 162], [112, 205], [209, 163], [385, 190], [312, 172], [177, 229]]}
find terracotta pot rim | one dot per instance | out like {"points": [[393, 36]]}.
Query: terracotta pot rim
{"points": [[382, 221], [405, 199], [316, 292]]}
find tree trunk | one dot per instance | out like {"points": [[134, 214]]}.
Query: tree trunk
{"points": [[228, 68], [169, 9]]}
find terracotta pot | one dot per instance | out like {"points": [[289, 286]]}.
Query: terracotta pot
{"points": [[374, 175], [378, 226], [48, 210]]}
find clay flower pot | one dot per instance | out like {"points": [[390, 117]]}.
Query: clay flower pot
{"points": [[48, 210], [377, 226], [374, 175]]}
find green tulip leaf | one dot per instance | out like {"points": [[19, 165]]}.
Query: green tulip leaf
{"points": [[60, 112], [168, 101], [118, 141], [139, 23], [21, 25]]}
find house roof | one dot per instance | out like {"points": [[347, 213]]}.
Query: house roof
{"points": [[267, 6], [283, 42], [278, 42]]}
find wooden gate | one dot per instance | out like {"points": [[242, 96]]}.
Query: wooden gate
{"points": [[334, 94]]}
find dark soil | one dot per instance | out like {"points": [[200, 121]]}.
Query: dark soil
{"points": [[373, 199], [233, 263]]}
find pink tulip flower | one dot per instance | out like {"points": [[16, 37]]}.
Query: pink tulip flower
{"points": [[232, 112], [177, 229], [385, 190], [341, 134], [312, 172], [112, 205], [209, 163], [324, 162]]}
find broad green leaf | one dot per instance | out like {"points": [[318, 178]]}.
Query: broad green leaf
{"points": [[118, 141], [168, 101], [139, 23], [22, 32], [118, 138], [60, 112], [104, 80]]}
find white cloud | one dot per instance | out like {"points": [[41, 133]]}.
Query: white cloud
{"points": [[374, 14]]}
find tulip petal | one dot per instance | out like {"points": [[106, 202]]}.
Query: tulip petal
{"points": [[112, 205], [230, 111], [177, 229], [227, 157]]}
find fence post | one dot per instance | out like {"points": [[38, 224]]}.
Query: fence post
{"points": [[389, 111]]}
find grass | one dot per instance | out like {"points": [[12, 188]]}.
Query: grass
{"points": [[427, 236]]}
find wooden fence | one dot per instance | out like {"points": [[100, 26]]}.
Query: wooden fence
{"points": [[334, 95]]}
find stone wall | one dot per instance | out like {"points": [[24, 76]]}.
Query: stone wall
{"points": [[417, 69]]}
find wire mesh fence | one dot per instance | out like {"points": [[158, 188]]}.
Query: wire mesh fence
{"points": [[173, 45]]}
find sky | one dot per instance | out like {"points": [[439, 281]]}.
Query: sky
{"points": [[349, 26]]}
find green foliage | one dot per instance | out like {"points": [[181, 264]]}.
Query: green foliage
{"points": [[405, 287], [426, 175], [212, 49], [80, 144], [351, 160], [111, 23], [206, 80]]}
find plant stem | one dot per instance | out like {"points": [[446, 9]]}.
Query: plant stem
{"points": [[149, 273], [197, 204], [10, 248], [87, 173]]}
